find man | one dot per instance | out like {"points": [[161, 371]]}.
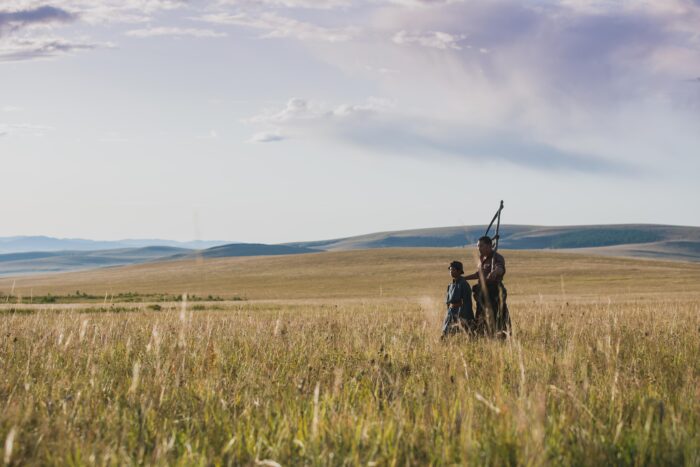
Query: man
{"points": [[458, 301], [489, 293]]}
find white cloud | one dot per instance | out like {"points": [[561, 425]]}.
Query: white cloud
{"points": [[7, 129], [422, 3], [377, 125], [174, 31], [310, 4], [30, 48], [14, 20], [267, 137], [11, 108], [23, 36], [103, 11], [276, 26], [436, 39], [296, 109], [559, 75], [300, 110]]}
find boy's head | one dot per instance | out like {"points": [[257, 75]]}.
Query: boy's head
{"points": [[456, 269]]}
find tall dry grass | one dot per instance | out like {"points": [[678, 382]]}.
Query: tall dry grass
{"points": [[346, 382]]}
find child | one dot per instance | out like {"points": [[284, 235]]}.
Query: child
{"points": [[458, 301]]}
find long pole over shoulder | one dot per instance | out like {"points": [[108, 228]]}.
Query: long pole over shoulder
{"points": [[498, 227], [497, 219], [495, 216]]}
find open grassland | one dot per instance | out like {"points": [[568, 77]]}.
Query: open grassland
{"points": [[391, 273], [335, 359]]}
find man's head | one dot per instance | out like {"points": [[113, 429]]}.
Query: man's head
{"points": [[485, 245], [456, 269]]}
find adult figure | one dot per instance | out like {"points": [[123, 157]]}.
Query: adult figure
{"points": [[459, 302], [490, 294]]}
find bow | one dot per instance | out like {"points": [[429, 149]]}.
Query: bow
{"points": [[496, 216]]}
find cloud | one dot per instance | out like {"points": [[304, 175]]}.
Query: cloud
{"points": [[104, 11], [377, 125], [276, 26], [299, 110], [423, 3], [7, 129], [436, 40], [423, 138], [603, 85], [586, 50], [19, 49], [18, 39], [11, 108], [310, 4], [14, 20], [558, 78], [174, 31], [296, 109], [266, 137]]}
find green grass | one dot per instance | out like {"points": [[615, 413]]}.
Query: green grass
{"points": [[120, 297], [593, 375]]}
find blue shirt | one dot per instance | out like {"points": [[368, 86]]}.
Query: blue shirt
{"points": [[457, 291]]}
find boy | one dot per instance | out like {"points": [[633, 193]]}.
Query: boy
{"points": [[458, 301]]}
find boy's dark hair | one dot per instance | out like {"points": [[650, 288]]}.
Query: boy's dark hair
{"points": [[458, 266], [486, 239]]}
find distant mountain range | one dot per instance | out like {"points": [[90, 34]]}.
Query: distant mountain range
{"points": [[57, 261], [41, 243], [637, 240], [517, 237]]}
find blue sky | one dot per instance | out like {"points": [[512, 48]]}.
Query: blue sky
{"points": [[283, 120]]}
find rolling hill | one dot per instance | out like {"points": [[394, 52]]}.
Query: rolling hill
{"points": [[59, 261], [394, 274], [251, 249], [20, 244], [636, 240], [15, 264], [628, 240]]}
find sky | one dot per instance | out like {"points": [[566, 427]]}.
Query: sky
{"points": [[288, 120]]}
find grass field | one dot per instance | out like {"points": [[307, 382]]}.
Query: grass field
{"points": [[335, 358]]}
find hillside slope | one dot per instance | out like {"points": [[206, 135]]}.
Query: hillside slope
{"points": [[58, 261], [643, 240], [26, 243], [14, 264], [391, 274]]}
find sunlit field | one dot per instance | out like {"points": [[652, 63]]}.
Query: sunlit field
{"points": [[335, 359]]}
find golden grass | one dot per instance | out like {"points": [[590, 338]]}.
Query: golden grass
{"points": [[321, 368], [368, 274]]}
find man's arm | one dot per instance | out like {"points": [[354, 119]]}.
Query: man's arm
{"points": [[499, 269], [472, 277]]}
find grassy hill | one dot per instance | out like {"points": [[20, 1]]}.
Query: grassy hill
{"points": [[15, 264], [646, 241], [380, 273], [251, 249], [27, 243], [657, 241], [57, 261]]}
